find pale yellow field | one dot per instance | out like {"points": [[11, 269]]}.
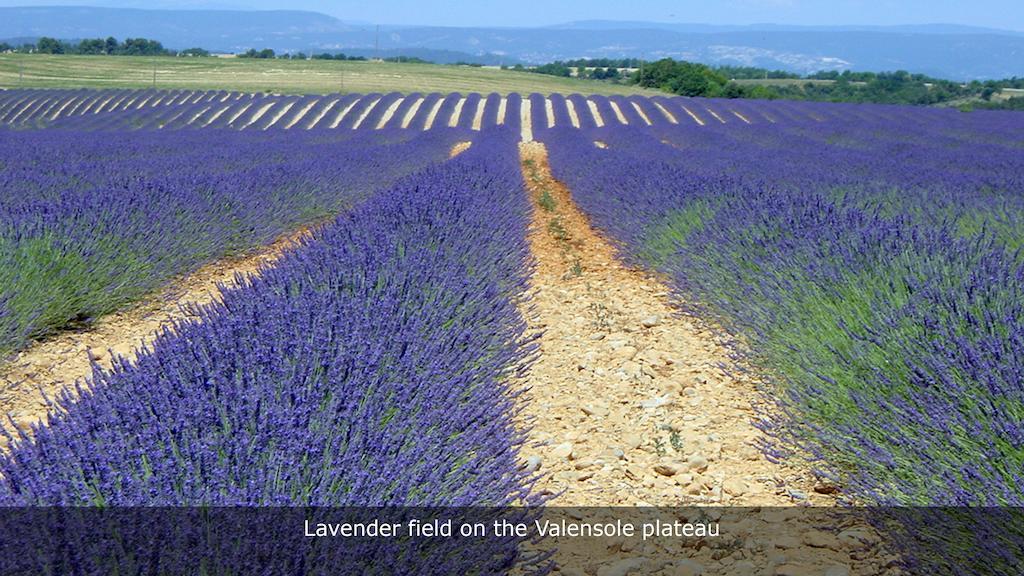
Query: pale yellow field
{"points": [[281, 76]]}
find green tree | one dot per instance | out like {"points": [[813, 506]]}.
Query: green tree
{"points": [[684, 78], [91, 46], [47, 45]]}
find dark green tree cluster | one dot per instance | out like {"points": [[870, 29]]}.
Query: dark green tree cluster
{"points": [[898, 87], [600, 73], [98, 46], [553, 69], [407, 60], [683, 78], [592, 68], [338, 56], [261, 54]]}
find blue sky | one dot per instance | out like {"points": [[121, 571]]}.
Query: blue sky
{"points": [[1006, 14]]}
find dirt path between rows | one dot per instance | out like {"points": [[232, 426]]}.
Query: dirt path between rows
{"points": [[46, 367], [628, 402]]}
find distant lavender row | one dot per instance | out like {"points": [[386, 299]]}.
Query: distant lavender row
{"points": [[176, 109], [369, 367], [871, 265], [91, 221], [160, 109]]}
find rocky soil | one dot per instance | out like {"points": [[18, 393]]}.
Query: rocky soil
{"points": [[633, 404]]}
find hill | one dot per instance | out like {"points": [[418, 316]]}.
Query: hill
{"points": [[943, 50]]}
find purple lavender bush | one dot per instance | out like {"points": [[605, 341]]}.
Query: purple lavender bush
{"points": [[91, 221], [371, 366], [870, 266]]}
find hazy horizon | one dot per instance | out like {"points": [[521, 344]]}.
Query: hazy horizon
{"points": [[997, 14]]}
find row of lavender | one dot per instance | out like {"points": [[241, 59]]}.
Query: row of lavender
{"points": [[371, 366], [134, 109], [873, 266], [88, 224]]}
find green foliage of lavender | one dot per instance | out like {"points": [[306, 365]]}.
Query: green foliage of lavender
{"points": [[90, 221]]}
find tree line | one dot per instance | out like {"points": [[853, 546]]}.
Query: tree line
{"points": [[109, 46], [694, 79]]}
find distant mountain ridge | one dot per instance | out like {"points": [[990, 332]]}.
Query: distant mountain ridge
{"points": [[768, 27], [943, 50]]}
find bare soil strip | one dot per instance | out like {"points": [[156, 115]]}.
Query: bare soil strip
{"points": [[52, 364], [388, 113], [341, 115], [55, 103], [618, 112], [22, 109], [598, 119], [215, 115], [103, 103], [549, 109], [502, 109], [301, 114], [412, 112], [740, 116], [239, 112], [453, 120], [629, 404], [478, 115], [526, 120], [56, 114], [621, 370], [715, 114], [641, 112], [129, 103], [259, 114], [691, 114], [197, 115], [459, 148], [432, 114], [365, 113], [671, 117], [178, 114], [142, 103], [570, 108], [278, 114]]}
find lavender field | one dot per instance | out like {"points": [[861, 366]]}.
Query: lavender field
{"points": [[863, 261]]}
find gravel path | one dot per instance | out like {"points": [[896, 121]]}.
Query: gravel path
{"points": [[629, 404]]}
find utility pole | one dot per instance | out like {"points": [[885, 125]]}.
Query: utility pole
{"points": [[154, 73], [21, 70], [376, 44]]}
